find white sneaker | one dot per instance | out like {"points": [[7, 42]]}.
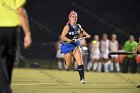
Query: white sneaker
{"points": [[83, 81]]}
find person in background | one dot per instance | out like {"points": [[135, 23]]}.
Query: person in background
{"points": [[104, 52], [59, 55], [114, 47], [94, 53], [130, 46], [10, 20], [121, 57], [138, 56]]}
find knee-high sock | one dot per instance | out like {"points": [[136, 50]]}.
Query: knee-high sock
{"points": [[106, 67], [111, 66], [60, 65], [117, 67], [95, 66], [99, 66], [89, 66], [81, 72]]}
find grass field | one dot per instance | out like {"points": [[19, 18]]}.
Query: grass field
{"points": [[54, 81]]}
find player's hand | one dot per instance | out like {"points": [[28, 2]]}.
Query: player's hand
{"points": [[74, 40], [135, 53], [88, 36], [27, 41]]}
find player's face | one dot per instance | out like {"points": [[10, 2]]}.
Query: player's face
{"points": [[73, 18], [131, 38], [96, 38], [114, 37], [105, 36]]}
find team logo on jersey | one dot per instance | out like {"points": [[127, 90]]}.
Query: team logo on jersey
{"points": [[74, 32]]}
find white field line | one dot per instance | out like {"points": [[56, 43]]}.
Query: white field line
{"points": [[28, 84]]}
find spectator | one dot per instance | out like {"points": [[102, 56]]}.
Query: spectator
{"points": [[138, 57], [104, 52], [94, 53], [130, 46], [114, 46], [59, 55], [121, 57]]}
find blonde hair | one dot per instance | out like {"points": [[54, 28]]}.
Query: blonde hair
{"points": [[71, 13]]}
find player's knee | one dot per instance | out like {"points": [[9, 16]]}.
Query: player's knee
{"points": [[80, 62], [68, 64]]}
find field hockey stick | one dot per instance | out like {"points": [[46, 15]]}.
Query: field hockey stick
{"points": [[75, 40]]}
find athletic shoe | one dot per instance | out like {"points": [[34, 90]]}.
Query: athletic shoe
{"points": [[83, 81]]}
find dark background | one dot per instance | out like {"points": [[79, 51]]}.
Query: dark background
{"points": [[48, 17]]}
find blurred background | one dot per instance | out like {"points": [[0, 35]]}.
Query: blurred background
{"points": [[48, 17]]}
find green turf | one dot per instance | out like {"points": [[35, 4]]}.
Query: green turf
{"points": [[54, 81]]}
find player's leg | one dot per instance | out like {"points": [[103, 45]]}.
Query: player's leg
{"points": [[9, 54], [63, 63], [95, 65], [89, 66], [111, 65], [10, 50], [75, 66], [100, 64], [78, 57], [85, 61], [106, 65], [69, 60], [107, 62], [60, 64], [96, 60], [4, 78], [60, 59], [117, 65]]}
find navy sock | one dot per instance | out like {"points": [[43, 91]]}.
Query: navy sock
{"points": [[81, 71]]}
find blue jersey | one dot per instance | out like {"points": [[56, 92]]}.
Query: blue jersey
{"points": [[72, 33]]}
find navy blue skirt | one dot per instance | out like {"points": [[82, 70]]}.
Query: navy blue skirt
{"points": [[68, 47]]}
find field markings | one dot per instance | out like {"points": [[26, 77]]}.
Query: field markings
{"points": [[26, 84]]}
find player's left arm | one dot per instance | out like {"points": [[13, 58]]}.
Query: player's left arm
{"points": [[23, 17], [83, 32]]}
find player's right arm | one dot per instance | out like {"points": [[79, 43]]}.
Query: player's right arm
{"points": [[64, 34], [137, 49]]}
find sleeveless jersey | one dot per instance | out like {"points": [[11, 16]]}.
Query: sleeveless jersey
{"points": [[95, 48], [73, 32], [113, 46], [104, 46]]}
